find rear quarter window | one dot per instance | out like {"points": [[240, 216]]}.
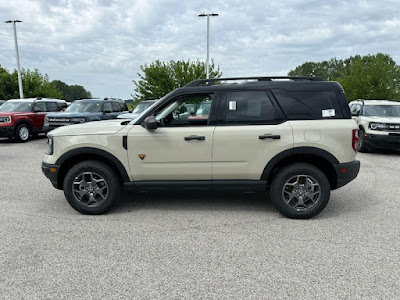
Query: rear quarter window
{"points": [[309, 105]]}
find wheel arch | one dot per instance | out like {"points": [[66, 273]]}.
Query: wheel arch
{"points": [[75, 156], [314, 156], [25, 122]]}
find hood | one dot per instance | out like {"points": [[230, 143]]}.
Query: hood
{"points": [[64, 114], [127, 116], [14, 113], [97, 127], [383, 119]]}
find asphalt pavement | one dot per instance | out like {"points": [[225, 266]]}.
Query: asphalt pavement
{"points": [[197, 246]]}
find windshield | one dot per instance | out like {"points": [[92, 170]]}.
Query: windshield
{"points": [[141, 107], [79, 106], [16, 106], [382, 110], [144, 111]]}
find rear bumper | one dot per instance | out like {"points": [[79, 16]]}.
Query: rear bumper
{"points": [[379, 141], [346, 172], [51, 172]]}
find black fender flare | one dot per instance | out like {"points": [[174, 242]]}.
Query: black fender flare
{"points": [[99, 152], [297, 151]]}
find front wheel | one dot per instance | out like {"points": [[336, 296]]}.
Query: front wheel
{"points": [[22, 133], [361, 147], [91, 187], [300, 191]]}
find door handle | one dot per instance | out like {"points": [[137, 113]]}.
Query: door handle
{"points": [[195, 137], [270, 136]]}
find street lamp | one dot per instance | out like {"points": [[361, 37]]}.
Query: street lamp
{"points": [[21, 92], [208, 36]]}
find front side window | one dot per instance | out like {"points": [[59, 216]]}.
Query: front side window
{"points": [[249, 107], [189, 110], [116, 107], [40, 107]]}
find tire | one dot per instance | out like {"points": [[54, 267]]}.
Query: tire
{"points": [[361, 147], [22, 133], [300, 191], [89, 198]]}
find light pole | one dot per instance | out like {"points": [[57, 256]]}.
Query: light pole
{"points": [[208, 37], [21, 92]]}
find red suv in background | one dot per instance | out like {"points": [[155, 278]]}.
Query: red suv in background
{"points": [[20, 118]]}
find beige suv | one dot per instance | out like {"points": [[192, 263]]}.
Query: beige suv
{"points": [[292, 137]]}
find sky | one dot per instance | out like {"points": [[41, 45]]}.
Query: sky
{"points": [[101, 44]]}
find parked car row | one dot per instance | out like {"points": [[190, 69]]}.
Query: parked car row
{"points": [[378, 122], [22, 118]]}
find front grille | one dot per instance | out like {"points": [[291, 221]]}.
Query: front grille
{"points": [[393, 127], [59, 120]]}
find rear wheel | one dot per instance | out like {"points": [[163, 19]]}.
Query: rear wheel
{"points": [[300, 191], [22, 133], [91, 187]]}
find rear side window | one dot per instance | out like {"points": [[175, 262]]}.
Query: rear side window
{"points": [[51, 106], [249, 107], [309, 105]]}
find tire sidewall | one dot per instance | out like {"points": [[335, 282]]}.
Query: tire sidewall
{"points": [[299, 169], [363, 147], [104, 171], [17, 133]]}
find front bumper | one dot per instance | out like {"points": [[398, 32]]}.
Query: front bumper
{"points": [[6, 131], [391, 141], [51, 172], [346, 172]]}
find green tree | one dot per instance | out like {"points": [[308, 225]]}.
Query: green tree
{"points": [[71, 92], [371, 77], [37, 85], [367, 77], [160, 78], [33, 82]]}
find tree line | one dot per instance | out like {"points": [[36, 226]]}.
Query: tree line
{"points": [[367, 77], [36, 84]]}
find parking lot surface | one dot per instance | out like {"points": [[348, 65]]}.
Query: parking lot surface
{"points": [[197, 246]]}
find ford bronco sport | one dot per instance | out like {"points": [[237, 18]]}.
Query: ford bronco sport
{"points": [[20, 118], [292, 137], [379, 123], [85, 110]]}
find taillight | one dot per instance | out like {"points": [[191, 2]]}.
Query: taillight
{"points": [[354, 140]]}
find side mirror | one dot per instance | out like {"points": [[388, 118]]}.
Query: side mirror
{"points": [[150, 123], [107, 111], [355, 114], [37, 109]]}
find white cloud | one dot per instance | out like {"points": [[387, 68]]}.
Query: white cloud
{"points": [[101, 44]]}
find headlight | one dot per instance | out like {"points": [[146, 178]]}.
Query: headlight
{"points": [[46, 118], [78, 120], [7, 119], [50, 145], [377, 126]]}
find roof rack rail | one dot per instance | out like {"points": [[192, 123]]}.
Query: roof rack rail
{"points": [[212, 81]]}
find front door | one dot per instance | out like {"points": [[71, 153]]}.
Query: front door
{"points": [[179, 149]]}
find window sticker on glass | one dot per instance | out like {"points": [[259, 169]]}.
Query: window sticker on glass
{"points": [[326, 113], [232, 105]]}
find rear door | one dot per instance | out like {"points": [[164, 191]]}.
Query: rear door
{"points": [[251, 130]]}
